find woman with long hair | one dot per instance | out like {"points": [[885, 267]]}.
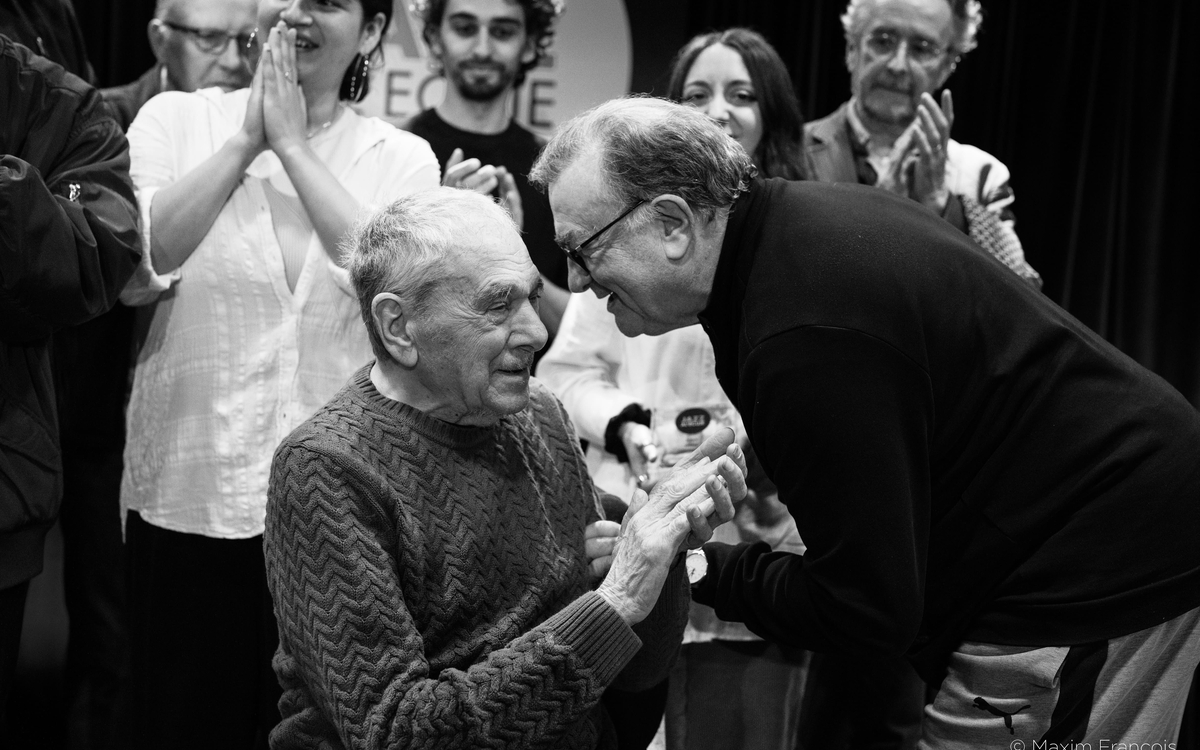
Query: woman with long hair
{"points": [[641, 402], [245, 198], [737, 78]]}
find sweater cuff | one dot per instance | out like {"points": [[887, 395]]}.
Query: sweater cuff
{"points": [[597, 634]]}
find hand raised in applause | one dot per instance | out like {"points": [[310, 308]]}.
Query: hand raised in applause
{"points": [[473, 174], [918, 160], [285, 114]]}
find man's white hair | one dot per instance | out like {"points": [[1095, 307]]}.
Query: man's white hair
{"points": [[401, 248], [968, 16]]}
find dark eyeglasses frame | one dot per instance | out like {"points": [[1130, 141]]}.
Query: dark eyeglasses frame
{"points": [[205, 38], [886, 43], [574, 254]]}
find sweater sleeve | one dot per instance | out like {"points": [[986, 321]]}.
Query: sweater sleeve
{"points": [[349, 642], [842, 421]]}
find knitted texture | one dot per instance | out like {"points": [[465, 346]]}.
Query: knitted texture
{"points": [[989, 232], [431, 587]]}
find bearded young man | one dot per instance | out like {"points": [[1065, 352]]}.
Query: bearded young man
{"points": [[485, 48]]}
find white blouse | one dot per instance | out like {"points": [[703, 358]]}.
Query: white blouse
{"points": [[234, 360]]}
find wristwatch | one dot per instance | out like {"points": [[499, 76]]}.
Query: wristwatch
{"points": [[697, 565]]}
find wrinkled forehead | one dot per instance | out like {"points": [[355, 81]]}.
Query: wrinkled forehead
{"points": [[485, 252], [215, 14], [930, 18], [580, 196]]}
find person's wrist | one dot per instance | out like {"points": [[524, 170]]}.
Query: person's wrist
{"points": [[607, 592], [613, 439]]}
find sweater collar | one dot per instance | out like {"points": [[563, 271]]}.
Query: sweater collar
{"points": [[445, 433]]}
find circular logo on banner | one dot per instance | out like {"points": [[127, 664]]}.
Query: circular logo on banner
{"points": [[693, 421], [589, 62]]}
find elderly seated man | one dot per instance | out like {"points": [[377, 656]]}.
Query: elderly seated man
{"points": [[430, 531]]}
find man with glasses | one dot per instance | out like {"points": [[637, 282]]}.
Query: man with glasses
{"points": [[198, 44], [895, 135], [984, 485]]}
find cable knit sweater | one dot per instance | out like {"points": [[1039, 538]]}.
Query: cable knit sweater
{"points": [[431, 584]]}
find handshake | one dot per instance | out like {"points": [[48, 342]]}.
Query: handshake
{"points": [[679, 513]]}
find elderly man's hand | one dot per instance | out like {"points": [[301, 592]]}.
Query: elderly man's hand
{"points": [[684, 508], [918, 160]]}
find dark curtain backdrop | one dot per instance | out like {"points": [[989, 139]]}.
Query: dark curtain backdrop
{"points": [[1086, 101]]}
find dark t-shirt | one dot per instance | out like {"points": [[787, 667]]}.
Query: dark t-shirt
{"points": [[515, 149]]}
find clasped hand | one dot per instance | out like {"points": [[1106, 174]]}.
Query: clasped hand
{"points": [[680, 512], [277, 114]]}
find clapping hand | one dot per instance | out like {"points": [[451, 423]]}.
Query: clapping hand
{"points": [[918, 160], [284, 112], [473, 174]]}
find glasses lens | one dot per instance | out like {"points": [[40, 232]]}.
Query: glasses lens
{"points": [[882, 43]]}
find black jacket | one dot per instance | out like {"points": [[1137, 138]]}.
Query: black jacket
{"points": [[68, 242], [964, 460]]}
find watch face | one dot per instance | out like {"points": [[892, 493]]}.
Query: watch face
{"points": [[697, 565]]}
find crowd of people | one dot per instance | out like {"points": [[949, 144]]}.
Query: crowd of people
{"points": [[814, 464]]}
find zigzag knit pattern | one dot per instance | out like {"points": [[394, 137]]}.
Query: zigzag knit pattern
{"points": [[430, 583]]}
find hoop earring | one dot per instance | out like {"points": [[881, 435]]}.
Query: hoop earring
{"points": [[358, 77]]}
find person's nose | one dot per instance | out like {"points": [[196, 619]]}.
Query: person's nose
{"points": [[295, 14], [481, 45], [577, 279], [899, 61], [718, 109], [231, 57], [530, 330]]}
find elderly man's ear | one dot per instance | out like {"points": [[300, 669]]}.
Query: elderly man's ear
{"points": [[674, 223], [395, 328]]}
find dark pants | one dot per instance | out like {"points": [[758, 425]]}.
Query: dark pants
{"points": [[12, 614], [202, 634], [860, 703], [636, 715], [97, 674]]}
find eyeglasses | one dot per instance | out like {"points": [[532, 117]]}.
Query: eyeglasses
{"points": [[886, 43], [212, 41], [574, 254]]}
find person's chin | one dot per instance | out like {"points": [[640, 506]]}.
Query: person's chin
{"points": [[890, 106], [628, 322]]}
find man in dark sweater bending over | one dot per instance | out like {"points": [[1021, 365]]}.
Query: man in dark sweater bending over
{"points": [[982, 482], [432, 532]]}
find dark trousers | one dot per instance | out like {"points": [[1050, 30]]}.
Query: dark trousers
{"points": [[636, 715], [860, 703], [12, 615], [202, 634], [97, 674]]}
